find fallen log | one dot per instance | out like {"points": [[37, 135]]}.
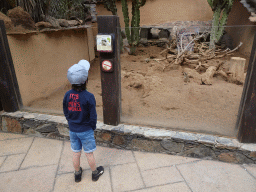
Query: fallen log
{"points": [[208, 75]]}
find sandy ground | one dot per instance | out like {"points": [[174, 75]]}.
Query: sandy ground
{"points": [[152, 95]]}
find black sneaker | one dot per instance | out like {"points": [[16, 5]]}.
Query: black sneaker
{"points": [[96, 176], [78, 176]]}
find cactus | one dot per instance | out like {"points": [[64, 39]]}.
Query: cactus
{"points": [[220, 8], [110, 5], [132, 35]]}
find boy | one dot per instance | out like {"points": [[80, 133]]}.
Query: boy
{"points": [[79, 108]]}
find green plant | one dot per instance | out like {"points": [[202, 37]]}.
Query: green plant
{"points": [[221, 10], [132, 34], [110, 5]]}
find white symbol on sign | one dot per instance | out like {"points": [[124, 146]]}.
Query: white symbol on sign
{"points": [[106, 65]]}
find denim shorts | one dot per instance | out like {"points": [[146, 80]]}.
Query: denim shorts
{"points": [[83, 139]]}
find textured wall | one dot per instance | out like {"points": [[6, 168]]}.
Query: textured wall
{"points": [[41, 60]]}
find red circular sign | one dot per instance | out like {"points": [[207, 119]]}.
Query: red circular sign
{"points": [[106, 65]]}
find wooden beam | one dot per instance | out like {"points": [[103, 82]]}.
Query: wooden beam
{"points": [[246, 121], [9, 90]]}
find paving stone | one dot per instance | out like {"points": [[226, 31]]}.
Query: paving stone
{"points": [[66, 164], [104, 156], [161, 176], [14, 146], [217, 176], [46, 128], [5, 136], [66, 183], [126, 177], [249, 147], [11, 125], [32, 180], [175, 187], [148, 161], [2, 160], [251, 169], [43, 152], [12, 163]]}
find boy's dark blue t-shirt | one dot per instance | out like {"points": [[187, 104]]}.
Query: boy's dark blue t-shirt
{"points": [[80, 110]]}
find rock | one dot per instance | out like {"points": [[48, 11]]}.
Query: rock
{"points": [[227, 157], [73, 23], [64, 131], [53, 135], [104, 137], [30, 124], [172, 146], [7, 21], [253, 154], [146, 145], [43, 25], [63, 22], [21, 17], [11, 125], [242, 158], [118, 140], [199, 152], [46, 128], [32, 132]]}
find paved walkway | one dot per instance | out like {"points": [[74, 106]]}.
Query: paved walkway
{"points": [[38, 164]]}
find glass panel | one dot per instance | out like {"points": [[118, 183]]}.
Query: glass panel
{"points": [[182, 84]]}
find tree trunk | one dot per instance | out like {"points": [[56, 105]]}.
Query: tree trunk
{"points": [[236, 69]]}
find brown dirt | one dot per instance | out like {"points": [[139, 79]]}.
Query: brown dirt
{"points": [[158, 96]]}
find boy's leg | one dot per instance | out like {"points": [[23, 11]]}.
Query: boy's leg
{"points": [[96, 172], [91, 161], [76, 160]]}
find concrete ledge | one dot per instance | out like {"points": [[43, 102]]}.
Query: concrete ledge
{"points": [[135, 138]]}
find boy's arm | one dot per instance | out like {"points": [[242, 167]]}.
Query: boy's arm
{"points": [[93, 113], [65, 107]]}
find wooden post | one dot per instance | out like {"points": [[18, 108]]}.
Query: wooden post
{"points": [[9, 89], [246, 121], [111, 81]]}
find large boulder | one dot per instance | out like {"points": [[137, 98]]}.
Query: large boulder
{"points": [[21, 17], [7, 21]]}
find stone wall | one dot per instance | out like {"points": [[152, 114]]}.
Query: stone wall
{"points": [[135, 138]]}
